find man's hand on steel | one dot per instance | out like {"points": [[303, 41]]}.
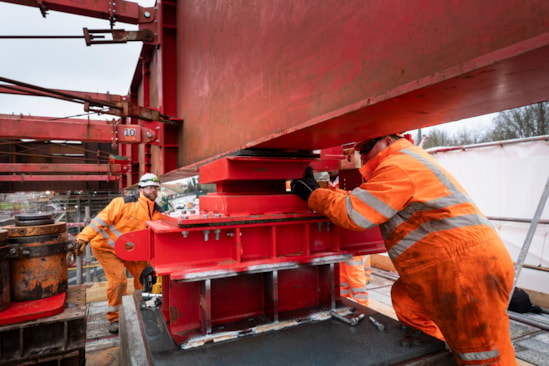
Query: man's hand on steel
{"points": [[79, 247], [303, 187]]}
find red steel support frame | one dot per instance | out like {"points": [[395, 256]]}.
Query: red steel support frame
{"points": [[253, 243]]}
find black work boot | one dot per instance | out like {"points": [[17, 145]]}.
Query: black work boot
{"points": [[113, 327]]}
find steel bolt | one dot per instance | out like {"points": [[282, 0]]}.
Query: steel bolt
{"points": [[147, 14], [206, 234], [377, 324], [185, 234], [351, 321], [217, 232]]}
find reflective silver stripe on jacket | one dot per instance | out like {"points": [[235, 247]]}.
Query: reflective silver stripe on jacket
{"points": [[100, 221], [479, 356], [456, 197], [434, 226], [115, 231], [104, 232], [357, 217]]}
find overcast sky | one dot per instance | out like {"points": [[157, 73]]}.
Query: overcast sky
{"points": [[61, 63], [70, 64]]}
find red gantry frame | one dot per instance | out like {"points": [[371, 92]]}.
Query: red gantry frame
{"points": [[256, 259]]}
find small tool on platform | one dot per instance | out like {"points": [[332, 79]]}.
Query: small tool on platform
{"points": [[354, 320]]}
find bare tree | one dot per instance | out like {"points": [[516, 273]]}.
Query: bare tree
{"points": [[469, 136], [531, 120], [436, 138]]}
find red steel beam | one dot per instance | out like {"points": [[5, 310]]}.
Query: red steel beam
{"points": [[42, 128], [126, 11], [60, 178], [315, 74], [114, 169], [103, 97]]}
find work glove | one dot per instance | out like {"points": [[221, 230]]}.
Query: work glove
{"points": [[79, 247], [147, 278], [303, 187]]}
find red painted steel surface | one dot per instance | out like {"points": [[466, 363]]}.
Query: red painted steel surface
{"points": [[241, 168], [182, 247], [115, 169], [34, 309], [126, 11], [58, 178], [43, 128], [21, 89], [252, 204], [308, 74], [271, 267], [252, 185]]}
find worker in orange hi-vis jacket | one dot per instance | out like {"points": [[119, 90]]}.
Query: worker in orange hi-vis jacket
{"points": [[122, 215], [455, 273]]}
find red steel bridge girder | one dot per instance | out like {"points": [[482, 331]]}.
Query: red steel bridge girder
{"points": [[310, 75]]}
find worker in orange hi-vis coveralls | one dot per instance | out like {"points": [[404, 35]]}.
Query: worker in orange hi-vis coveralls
{"points": [[455, 273], [122, 215]]}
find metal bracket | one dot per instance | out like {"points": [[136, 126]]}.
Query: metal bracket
{"points": [[118, 36]]}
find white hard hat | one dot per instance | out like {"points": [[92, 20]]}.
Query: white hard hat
{"points": [[148, 180]]}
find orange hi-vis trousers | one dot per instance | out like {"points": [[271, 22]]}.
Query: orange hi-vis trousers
{"points": [[115, 271], [354, 275], [461, 309]]}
